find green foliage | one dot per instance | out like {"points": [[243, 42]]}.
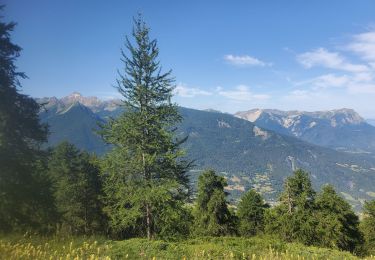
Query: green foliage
{"points": [[77, 188], [337, 225], [211, 213], [367, 227], [145, 176], [298, 193], [24, 193], [251, 214], [293, 219], [221, 248], [325, 220]]}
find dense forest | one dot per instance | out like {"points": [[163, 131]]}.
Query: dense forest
{"points": [[141, 189]]}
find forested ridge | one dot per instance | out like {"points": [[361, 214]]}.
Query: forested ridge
{"points": [[140, 189]]}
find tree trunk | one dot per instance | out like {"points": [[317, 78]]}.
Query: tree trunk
{"points": [[148, 208], [290, 206], [148, 221]]}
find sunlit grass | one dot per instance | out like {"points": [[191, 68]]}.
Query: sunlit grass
{"points": [[257, 248], [36, 247]]}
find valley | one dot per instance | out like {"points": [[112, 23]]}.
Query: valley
{"points": [[249, 154]]}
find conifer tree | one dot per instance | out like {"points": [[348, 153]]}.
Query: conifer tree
{"points": [[145, 174], [293, 219], [337, 225], [251, 213], [367, 227], [211, 213], [298, 193], [77, 189], [24, 192]]}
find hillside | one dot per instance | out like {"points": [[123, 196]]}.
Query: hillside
{"points": [[76, 123], [249, 156], [341, 129]]}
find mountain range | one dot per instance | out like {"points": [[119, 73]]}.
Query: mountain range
{"points": [[249, 151], [341, 129]]}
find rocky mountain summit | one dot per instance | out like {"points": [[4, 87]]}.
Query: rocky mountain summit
{"points": [[93, 103], [341, 129]]}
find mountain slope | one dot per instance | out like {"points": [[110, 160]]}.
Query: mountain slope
{"points": [[76, 124], [258, 158], [341, 129], [247, 155]]}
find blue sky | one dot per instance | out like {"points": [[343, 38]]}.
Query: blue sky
{"points": [[226, 55]]}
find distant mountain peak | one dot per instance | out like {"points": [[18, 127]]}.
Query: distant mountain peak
{"points": [[212, 110], [342, 129], [75, 95], [340, 116], [91, 102]]}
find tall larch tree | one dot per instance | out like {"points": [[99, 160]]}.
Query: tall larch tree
{"points": [[23, 191], [145, 174]]}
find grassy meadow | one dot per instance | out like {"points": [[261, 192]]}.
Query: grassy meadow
{"points": [[261, 247]]}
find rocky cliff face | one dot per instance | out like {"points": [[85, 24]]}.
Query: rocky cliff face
{"points": [[342, 129]]}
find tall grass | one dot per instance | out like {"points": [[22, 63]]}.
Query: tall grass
{"points": [[59, 247], [53, 247]]}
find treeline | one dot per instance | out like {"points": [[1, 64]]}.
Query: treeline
{"points": [[141, 187], [81, 204]]}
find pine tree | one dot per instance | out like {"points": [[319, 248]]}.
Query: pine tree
{"points": [[293, 219], [298, 192], [145, 174], [338, 225], [211, 213], [23, 191], [77, 188], [251, 214], [367, 227]]}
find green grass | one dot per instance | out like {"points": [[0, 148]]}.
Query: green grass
{"points": [[53, 247], [221, 248], [37, 247]]}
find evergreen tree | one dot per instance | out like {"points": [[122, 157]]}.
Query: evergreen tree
{"points": [[145, 167], [298, 193], [367, 227], [211, 213], [293, 219], [24, 192], [251, 214], [77, 188], [338, 225]]}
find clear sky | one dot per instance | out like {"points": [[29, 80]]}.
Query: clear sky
{"points": [[225, 55]]}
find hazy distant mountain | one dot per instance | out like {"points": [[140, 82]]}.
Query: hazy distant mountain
{"points": [[341, 129], [371, 121], [248, 155], [94, 103]]}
